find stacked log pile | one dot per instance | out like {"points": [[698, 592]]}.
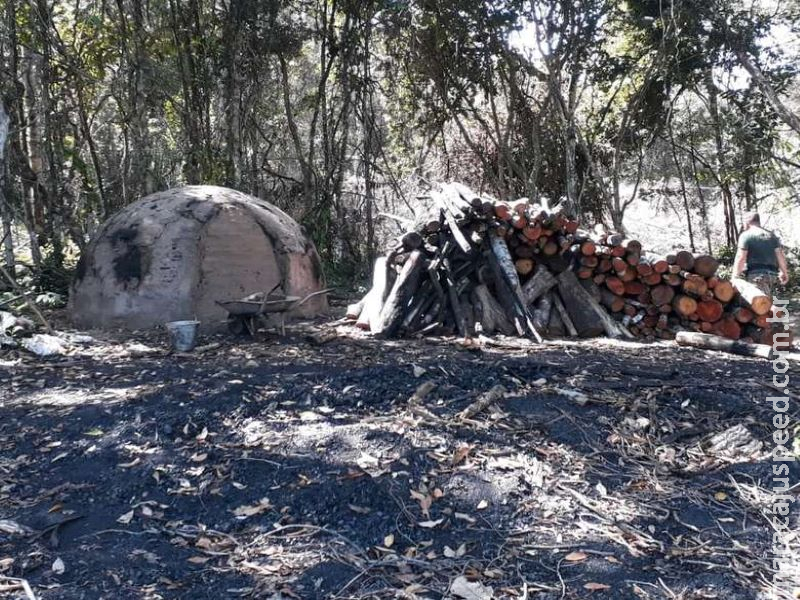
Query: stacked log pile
{"points": [[658, 296], [473, 265]]}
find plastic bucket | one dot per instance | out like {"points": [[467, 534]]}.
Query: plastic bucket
{"points": [[183, 334]]}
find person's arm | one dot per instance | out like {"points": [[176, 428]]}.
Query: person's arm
{"points": [[783, 267], [740, 262]]}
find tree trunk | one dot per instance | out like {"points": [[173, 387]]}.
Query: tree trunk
{"points": [[787, 116], [713, 342], [5, 208], [731, 231]]}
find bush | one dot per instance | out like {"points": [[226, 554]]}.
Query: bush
{"points": [[55, 273], [793, 258]]}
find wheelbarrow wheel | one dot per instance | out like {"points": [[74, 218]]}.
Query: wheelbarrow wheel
{"points": [[237, 326]]}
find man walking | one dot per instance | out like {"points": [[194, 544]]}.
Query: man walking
{"points": [[760, 255]]}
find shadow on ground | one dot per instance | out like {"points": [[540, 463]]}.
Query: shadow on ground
{"points": [[290, 470]]}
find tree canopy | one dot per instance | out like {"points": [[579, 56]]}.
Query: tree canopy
{"points": [[338, 110]]}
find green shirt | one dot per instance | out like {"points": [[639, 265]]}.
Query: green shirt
{"points": [[760, 245]]}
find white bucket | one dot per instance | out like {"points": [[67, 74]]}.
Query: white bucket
{"points": [[183, 334]]}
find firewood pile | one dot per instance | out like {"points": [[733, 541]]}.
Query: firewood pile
{"points": [[472, 265]]}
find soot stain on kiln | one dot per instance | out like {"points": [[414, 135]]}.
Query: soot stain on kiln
{"points": [[130, 262]]}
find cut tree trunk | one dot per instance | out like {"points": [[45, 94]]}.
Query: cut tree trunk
{"points": [[685, 260], [694, 284], [710, 310], [564, 315], [615, 285], [724, 291], [612, 301], [541, 314], [728, 327], [588, 316], [373, 301], [662, 294], [391, 314], [715, 342], [539, 284], [684, 305], [509, 289], [490, 313], [705, 265], [524, 266], [757, 300]]}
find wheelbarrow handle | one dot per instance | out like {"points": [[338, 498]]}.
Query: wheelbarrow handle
{"points": [[311, 295]]}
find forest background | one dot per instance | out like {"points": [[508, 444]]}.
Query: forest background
{"points": [[666, 118]]}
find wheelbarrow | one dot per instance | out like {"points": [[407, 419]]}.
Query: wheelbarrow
{"points": [[245, 314]]}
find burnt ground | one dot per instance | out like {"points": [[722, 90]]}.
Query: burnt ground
{"points": [[300, 468]]}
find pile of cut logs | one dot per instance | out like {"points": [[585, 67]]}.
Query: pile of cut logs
{"points": [[472, 265], [657, 296]]}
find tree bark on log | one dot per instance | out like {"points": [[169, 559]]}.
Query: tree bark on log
{"points": [[455, 302], [707, 341], [391, 314], [564, 315], [541, 314], [705, 265], [490, 313], [757, 300], [590, 319], [354, 310], [373, 301], [507, 277]]}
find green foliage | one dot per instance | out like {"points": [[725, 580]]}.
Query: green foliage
{"points": [[725, 254], [792, 289], [55, 273], [514, 97]]}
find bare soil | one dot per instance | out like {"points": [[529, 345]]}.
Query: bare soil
{"points": [[298, 468]]}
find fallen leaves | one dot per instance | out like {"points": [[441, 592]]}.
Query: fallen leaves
{"points": [[259, 507], [462, 588], [361, 510], [370, 465], [457, 553], [126, 518], [460, 455], [13, 528], [464, 517], [596, 587], [430, 524], [425, 501], [58, 567], [575, 557]]}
